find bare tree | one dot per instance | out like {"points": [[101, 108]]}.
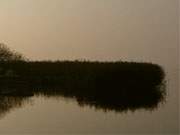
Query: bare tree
{"points": [[8, 55]]}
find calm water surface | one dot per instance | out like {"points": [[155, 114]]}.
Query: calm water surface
{"points": [[55, 115]]}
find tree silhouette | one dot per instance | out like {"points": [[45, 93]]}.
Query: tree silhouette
{"points": [[8, 55]]}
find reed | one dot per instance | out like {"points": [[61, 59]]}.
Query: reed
{"points": [[113, 85]]}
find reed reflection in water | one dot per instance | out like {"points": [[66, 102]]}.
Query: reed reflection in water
{"points": [[115, 87], [120, 103], [9, 103]]}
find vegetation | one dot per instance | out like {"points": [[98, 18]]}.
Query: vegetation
{"points": [[8, 103], [115, 86], [8, 55]]}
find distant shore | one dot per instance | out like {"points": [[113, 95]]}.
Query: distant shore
{"points": [[110, 84]]}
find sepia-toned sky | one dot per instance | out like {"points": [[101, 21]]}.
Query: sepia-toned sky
{"points": [[139, 30]]}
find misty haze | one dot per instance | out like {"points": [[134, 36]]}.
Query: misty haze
{"points": [[89, 66]]}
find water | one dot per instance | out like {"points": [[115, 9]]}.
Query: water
{"points": [[58, 114]]}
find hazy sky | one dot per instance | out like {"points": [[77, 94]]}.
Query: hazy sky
{"points": [[92, 29]]}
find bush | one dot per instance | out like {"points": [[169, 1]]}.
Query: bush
{"points": [[8, 55]]}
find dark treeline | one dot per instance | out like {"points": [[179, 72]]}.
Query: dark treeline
{"points": [[82, 74], [146, 72], [115, 86]]}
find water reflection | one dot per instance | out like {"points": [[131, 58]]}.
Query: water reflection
{"points": [[127, 98], [118, 102], [115, 87], [8, 103]]}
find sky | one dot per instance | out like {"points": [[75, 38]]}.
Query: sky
{"points": [[137, 30]]}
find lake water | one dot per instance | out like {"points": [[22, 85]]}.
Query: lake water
{"points": [[55, 115]]}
